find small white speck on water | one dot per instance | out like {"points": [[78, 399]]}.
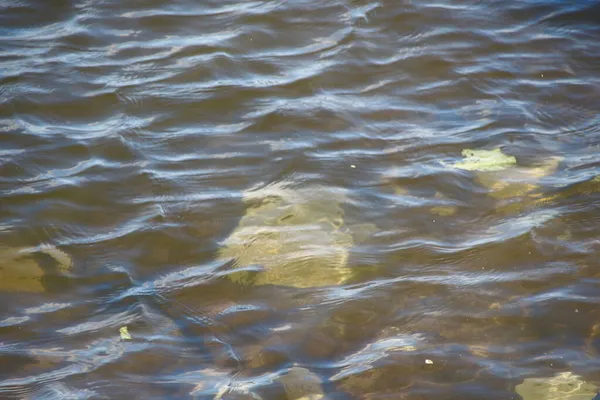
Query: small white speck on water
{"points": [[352, 166], [428, 361]]}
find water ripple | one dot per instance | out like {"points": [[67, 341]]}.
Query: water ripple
{"points": [[134, 139]]}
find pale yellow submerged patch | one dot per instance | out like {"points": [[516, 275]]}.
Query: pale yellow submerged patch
{"points": [[301, 384], [401, 191], [20, 270], [443, 210], [515, 186], [295, 237], [64, 261], [517, 181], [563, 386]]}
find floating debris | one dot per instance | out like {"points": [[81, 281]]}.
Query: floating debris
{"points": [[124, 333]]}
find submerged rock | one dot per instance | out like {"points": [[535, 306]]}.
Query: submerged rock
{"points": [[564, 386], [301, 384], [295, 237], [443, 210], [20, 269], [514, 186], [500, 173]]}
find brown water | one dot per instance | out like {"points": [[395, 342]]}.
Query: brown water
{"points": [[131, 132]]}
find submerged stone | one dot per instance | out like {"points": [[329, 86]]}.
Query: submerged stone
{"points": [[291, 237], [564, 386], [517, 181], [443, 210], [20, 270], [302, 384], [514, 186], [500, 173]]}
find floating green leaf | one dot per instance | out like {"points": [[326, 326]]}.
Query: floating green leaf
{"points": [[124, 333]]}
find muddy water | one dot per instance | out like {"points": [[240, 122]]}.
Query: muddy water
{"points": [[154, 152]]}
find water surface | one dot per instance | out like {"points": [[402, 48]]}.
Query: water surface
{"points": [[130, 133]]}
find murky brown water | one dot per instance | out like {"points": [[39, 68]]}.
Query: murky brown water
{"points": [[265, 194]]}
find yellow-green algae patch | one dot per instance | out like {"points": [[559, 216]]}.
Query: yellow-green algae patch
{"points": [[485, 160]]}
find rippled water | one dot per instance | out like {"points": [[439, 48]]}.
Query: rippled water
{"points": [[133, 135]]}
